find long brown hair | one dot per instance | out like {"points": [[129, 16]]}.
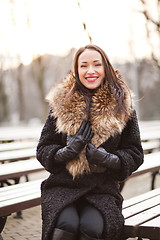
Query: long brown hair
{"points": [[110, 75]]}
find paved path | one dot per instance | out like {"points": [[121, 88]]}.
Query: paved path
{"points": [[29, 228]]}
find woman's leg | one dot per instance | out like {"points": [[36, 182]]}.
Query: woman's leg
{"points": [[68, 219], [91, 222], [67, 225]]}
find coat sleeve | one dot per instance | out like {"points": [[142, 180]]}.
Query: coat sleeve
{"points": [[130, 149], [49, 143]]}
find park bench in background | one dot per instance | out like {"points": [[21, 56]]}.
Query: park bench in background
{"points": [[19, 168], [19, 133], [18, 157], [20, 154], [150, 132], [151, 146], [18, 197], [142, 213], [150, 165], [142, 216], [150, 137], [16, 149], [17, 145]]}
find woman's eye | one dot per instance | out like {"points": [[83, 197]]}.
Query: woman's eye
{"points": [[98, 64], [83, 66]]}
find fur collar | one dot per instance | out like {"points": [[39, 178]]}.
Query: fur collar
{"points": [[70, 111]]}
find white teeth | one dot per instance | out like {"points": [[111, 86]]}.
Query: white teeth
{"points": [[92, 78]]}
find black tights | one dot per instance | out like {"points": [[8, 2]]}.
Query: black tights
{"points": [[81, 217]]}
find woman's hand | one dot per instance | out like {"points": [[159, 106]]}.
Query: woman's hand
{"points": [[82, 137], [101, 157], [75, 143]]}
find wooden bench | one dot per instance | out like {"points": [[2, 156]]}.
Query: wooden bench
{"points": [[19, 133], [151, 165], [10, 172], [19, 168], [151, 146], [148, 135], [25, 195], [19, 197], [15, 171], [142, 216], [141, 213], [15, 155], [17, 145], [149, 130]]}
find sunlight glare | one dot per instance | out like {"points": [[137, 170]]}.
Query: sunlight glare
{"points": [[34, 27]]}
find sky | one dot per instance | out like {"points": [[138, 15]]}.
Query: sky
{"points": [[35, 27]]}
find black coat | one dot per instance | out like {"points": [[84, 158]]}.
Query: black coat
{"points": [[99, 189]]}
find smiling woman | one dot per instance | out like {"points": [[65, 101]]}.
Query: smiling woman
{"points": [[91, 69], [89, 143]]}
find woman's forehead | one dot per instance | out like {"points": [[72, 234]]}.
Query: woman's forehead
{"points": [[90, 55]]}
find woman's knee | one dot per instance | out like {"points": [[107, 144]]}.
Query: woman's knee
{"points": [[91, 222], [91, 231], [68, 220]]}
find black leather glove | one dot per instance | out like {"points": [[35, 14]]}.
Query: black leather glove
{"points": [[74, 144], [101, 157]]}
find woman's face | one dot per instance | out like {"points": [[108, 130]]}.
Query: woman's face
{"points": [[91, 69]]}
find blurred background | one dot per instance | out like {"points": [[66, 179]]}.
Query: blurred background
{"points": [[38, 39]]}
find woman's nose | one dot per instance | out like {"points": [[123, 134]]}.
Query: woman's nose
{"points": [[90, 69]]}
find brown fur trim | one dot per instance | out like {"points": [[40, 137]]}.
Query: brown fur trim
{"points": [[71, 111]]}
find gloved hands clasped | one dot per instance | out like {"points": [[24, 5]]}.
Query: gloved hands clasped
{"points": [[74, 144], [101, 157]]}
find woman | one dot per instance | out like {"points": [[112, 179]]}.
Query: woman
{"points": [[90, 142]]}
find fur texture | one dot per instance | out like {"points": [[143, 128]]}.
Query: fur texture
{"points": [[100, 189], [70, 111]]}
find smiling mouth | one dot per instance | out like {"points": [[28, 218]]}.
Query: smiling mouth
{"points": [[91, 79]]}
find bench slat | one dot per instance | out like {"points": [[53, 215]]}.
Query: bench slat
{"points": [[151, 163], [20, 203], [17, 154], [144, 230], [140, 207], [11, 133], [19, 168], [150, 135], [146, 211], [13, 194], [17, 145], [152, 223], [20, 185], [143, 217], [23, 200], [141, 198], [150, 146]]}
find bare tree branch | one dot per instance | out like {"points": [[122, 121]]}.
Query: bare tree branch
{"points": [[156, 24], [84, 25], [149, 18]]}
